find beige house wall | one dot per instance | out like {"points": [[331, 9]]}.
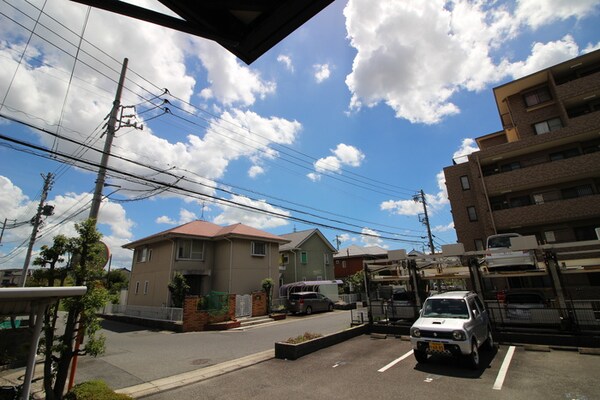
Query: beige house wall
{"points": [[156, 272]]}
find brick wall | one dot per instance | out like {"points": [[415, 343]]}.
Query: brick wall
{"points": [[259, 303], [195, 320]]}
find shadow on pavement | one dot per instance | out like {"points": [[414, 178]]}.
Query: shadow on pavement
{"points": [[456, 367], [122, 327]]}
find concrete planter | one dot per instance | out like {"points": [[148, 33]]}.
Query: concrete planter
{"points": [[289, 351]]}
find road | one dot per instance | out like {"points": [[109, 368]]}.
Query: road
{"points": [[368, 368], [135, 355]]}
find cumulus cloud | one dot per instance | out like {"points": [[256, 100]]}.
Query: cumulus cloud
{"points": [[256, 219], [230, 82], [435, 202], [322, 72], [71, 207], [163, 219], [544, 55], [443, 228], [467, 147], [286, 61], [255, 171], [343, 155], [369, 237], [414, 56]]}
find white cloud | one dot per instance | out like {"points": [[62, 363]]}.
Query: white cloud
{"points": [[414, 56], [591, 47], [443, 228], [343, 155], [233, 215], [230, 82], [544, 55], [322, 72], [536, 13], [163, 219], [467, 147], [286, 61], [344, 237], [255, 170], [435, 202], [313, 176], [72, 207], [370, 237]]}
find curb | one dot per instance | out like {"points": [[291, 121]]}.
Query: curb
{"points": [[187, 378]]}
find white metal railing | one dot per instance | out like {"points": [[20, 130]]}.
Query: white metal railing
{"points": [[160, 313]]}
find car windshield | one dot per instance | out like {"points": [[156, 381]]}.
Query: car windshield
{"points": [[445, 308]]}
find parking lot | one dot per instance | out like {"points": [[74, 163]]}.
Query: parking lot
{"points": [[377, 368]]}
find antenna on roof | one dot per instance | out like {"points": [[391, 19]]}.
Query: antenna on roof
{"points": [[294, 228]]}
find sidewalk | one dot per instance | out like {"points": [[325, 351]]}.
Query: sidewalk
{"points": [[14, 377]]}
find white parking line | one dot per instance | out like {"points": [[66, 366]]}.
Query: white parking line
{"points": [[504, 368], [396, 361]]}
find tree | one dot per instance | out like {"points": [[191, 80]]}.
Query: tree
{"points": [[179, 289], [115, 281], [85, 268], [267, 285]]}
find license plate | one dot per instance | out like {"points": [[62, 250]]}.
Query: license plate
{"points": [[434, 346]]}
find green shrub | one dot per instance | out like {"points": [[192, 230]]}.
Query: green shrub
{"points": [[94, 390], [303, 338]]}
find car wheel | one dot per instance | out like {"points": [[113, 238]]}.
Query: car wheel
{"points": [[330, 308], [489, 343], [308, 310], [473, 358], [420, 355]]}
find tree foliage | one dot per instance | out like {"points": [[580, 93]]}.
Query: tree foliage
{"points": [[179, 289], [84, 267]]}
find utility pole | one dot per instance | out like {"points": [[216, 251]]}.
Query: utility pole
{"points": [[110, 133], [425, 220], [36, 221], [337, 242]]}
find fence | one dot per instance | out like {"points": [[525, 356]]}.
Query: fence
{"points": [[351, 298], [159, 313]]}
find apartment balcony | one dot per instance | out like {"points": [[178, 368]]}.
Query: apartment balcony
{"points": [[544, 175], [577, 87], [548, 213]]}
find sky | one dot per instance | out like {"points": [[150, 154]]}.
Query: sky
{"points": [[337, 127]]}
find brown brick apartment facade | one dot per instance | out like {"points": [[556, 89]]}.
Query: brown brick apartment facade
{"points": [[540, 175]]}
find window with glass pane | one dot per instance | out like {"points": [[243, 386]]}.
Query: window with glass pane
{"points": [[548, 126], [259, 249], [472, 213], [189, 249], [304, 257], [537, 96], [464, 182]]}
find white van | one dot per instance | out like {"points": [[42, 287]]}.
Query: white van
{"points": [[499, 255]]}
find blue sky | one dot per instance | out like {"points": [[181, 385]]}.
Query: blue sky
{"points": [[337, 127]]}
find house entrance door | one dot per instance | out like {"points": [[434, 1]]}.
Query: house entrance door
{"points": [[243, 305]]}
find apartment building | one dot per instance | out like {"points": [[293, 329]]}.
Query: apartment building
{"points": [[539, 175]]}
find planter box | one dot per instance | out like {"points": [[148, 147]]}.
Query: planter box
{"points": [[289, 351], [222, 326], [277, 317]]}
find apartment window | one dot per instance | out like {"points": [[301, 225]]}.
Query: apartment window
{"points": [[190, 249], [577, 191], [537, 96], [472, 213], [520, 201], [585, 233], [146, 284], [547, 126], [259, 248], [137, 287], [326, 258], [561, 155], [549, 237], [479, 245], [510, 166], [464, 182], [304, 257], [144, 254]]}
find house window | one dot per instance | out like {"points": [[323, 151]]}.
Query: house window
{"points": [[537, 96], [190, 249], [326, 258], [464, 182], [479, 245], [285, 259], [144, 254], [137, 287], [259, 248], [547, 126], [472, 213], [344, 264], [146, 287], [304, 257]]}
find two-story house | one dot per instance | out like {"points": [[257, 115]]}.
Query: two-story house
{"points": [[351, 259], [232, 259], [308, 256]]}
